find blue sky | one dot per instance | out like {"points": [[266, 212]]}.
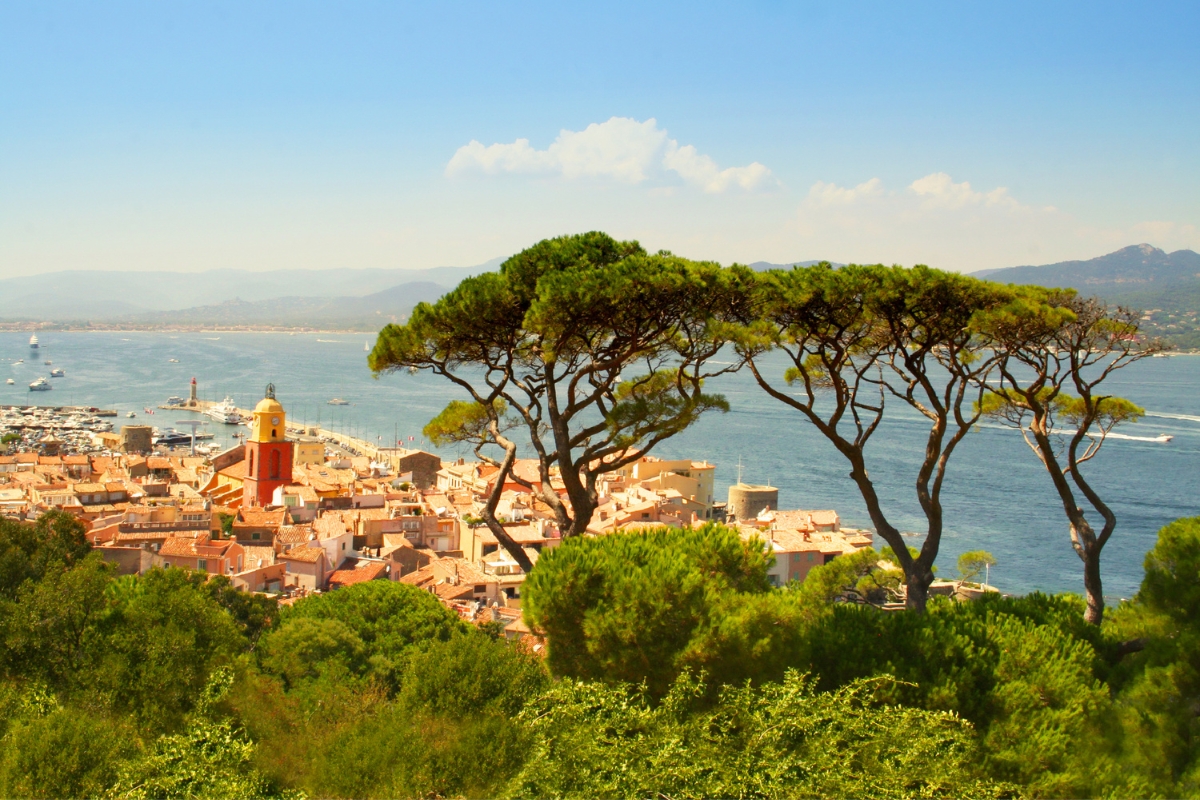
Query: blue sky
{"points": [[188, 136]]}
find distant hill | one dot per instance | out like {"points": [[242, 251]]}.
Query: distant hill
{"points": [[1136, 266], [763, 266], [370, 312], [1164, 285], [109, 295]]}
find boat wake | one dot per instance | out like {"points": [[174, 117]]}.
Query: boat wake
{"points": [[1188, 417]]}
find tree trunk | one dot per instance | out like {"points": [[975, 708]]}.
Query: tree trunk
{"points": [[1092, 587], [918, 579]]}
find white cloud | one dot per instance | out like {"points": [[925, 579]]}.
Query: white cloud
{"points": [[621, 149], [830, 194]]}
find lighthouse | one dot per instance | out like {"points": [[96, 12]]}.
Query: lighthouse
{"points": [[192, 395]]}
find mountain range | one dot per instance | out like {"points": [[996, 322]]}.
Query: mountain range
{"points": [[1166, 285]]}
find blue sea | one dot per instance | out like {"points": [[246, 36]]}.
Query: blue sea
{"points": [[997, 496]]}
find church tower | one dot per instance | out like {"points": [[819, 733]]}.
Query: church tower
{"points": [[268, 452]]}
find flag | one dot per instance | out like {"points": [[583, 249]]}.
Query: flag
{"points": [[411, 439]]}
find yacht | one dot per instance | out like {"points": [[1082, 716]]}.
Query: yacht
{"points": [[57, 372], [33, 342], [337, 401], [225, 412], [173, 438], [172, 360], [40, 385]]}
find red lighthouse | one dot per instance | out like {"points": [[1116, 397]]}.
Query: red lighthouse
{"points": [[268, 452]]}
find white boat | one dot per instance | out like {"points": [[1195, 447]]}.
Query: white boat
{"points": [[131, 415], [225, 412], [57, 372], [366, 347], [10, 381], [40, 385], [337, 401], [172, 360], [1163, 437], [33, 342], [48, 362]]}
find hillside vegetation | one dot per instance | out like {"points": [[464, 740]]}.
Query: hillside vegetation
{"points": [[673, 669], [1164, 285]]}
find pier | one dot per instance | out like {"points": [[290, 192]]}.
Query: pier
{"points": [[361, 446]]}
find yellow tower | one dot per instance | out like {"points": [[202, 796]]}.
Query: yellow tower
{"points": [[270, 420], [268, 453]]}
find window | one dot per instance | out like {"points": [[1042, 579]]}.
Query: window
{"points": [[254, 536], [250, 465], [275, 464], [202, 564]]}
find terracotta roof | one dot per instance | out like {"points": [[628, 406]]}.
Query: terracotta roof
{"points": [[309, 555], [293, 534], [261, 517], [353, 571], [329, 526], [235, 470], [199, 547], [255, 552]]}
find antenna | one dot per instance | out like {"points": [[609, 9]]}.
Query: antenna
{"points": [[739, 470], [193, 424]]}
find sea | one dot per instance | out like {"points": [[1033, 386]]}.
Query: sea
{"points": [[997, 496]]}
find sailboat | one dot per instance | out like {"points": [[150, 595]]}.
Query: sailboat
{"points": [[366, 347]]}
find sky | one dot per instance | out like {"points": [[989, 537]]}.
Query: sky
{"points": [[268, 135]]}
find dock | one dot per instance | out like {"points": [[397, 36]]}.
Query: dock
{"points": [[361, 446]]}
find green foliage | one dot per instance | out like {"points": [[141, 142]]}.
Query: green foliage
{"points": [[28, 551], [781, 740], [626, 607], [462, 421], [1171, 585], [210, 760], [365, 629], [452, 730], [62, 753], [973, 563], [471, 674]]}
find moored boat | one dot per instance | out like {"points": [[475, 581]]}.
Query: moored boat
{"points": [[40, 385], [225, 412]]}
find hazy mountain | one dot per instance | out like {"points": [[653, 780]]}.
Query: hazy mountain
{"points": [[1166, 286], [370, 312], [763, 266], [1130, 268], [103, 295]]}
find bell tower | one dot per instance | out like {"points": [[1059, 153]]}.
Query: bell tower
{"points": [[268, 452]]}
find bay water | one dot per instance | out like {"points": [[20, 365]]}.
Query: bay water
{"points": [[997, 496]]}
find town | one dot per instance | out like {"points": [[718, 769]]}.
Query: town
{"points": [[286, 514]]}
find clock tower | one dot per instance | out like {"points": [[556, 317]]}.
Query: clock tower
{"points": [[268, 452]]}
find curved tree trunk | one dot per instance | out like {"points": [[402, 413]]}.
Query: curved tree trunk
{"points": [[1092, 586]]}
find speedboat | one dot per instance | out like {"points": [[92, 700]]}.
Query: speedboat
{"points": [[337, 401], [57, 372], [40, 385], [225, 412], [1163, 437], [172, 360], [131, 415]]}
